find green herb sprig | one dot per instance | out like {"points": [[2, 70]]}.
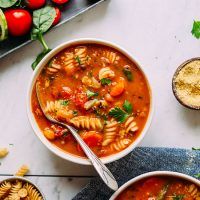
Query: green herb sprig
{"points": [[91, 94], [42, 21], [121, 115], [7, 3], [196, 29], [105, 81]]}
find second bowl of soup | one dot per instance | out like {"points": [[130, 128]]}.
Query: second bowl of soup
{"points": [[99, 89]]}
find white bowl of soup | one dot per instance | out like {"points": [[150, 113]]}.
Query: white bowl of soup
{"points": [[97, 87], [159, 185]]}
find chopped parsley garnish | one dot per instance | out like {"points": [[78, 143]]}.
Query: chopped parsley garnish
{"points": [[118, 114], [64, 102], [105, 81], [91, 94], [196, 29], [178, 197], [75, 112], [127, 107], [78, 60], [128, 74]]}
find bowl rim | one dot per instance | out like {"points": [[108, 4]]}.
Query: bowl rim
{"points": [[13, 178], [174, 85], [55, 149], [153, 174]]}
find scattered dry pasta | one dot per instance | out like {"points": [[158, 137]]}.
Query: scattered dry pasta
{"points": [[130, 125], [106, 72], [110, 132], [120, 144], [87, 122], [22, 171], [3, 152], [18, 190]]}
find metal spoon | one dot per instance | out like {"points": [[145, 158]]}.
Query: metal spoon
{"points": [[102, 170]]}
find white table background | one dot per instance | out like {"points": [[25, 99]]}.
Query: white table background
{"points": [[156, 32]]}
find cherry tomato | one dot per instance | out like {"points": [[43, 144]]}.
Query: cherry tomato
{"points": [[80, 98], [19, 21], [57, 17], [35, 4], [60, 1], [91, 138]]}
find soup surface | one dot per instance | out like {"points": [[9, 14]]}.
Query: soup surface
{"points": [[97, 90], [161, 188]]}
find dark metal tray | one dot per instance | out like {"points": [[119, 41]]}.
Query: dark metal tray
{"points": [[72, 9]]}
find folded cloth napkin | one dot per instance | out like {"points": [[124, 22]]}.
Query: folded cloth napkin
{"points": [[139, 161]]}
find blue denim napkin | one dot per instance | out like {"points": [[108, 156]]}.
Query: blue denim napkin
{"points": [[139, 161]]}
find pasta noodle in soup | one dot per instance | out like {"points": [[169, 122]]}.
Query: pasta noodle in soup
{"points": [[99, 91]]}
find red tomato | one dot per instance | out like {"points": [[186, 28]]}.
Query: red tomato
{"points": [[60, 1], [19, 21], [35, 4], [66, 92], [57, 17], [91, 138], [80, 98]]}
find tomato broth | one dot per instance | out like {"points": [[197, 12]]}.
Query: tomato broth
{"points": [[99, 91]]}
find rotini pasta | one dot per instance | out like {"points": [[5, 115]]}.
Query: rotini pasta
{"points": [[32, 192], [15, 189], [22, 171], [3, 152], [69, 63], [110, 132], [81, 57], [110, 57], [91, 82], [106, 72], [53, 106], [4, 188], [53, 68], [130, 125], [87, 122], [193, 190], [120, 144]]}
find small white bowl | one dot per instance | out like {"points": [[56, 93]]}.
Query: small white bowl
{"points": [[153, 174], [38, 132], [22, 179]]}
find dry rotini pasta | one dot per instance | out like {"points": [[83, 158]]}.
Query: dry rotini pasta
{"points": [[3, 152], [110, 57], [106, 72], [22, 171], [110, 132], [87, 122], [14, 190], [120, 144], [4, 188], [130, 125], [32, 192]]}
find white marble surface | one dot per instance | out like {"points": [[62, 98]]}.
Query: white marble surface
{"points": [[156, 32]]}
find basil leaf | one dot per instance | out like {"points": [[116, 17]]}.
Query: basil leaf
{"points": [[64, 102], [118, 114], [105, 81], [127, 107], [197, 176], [42, 20], [7, 3], [39, 58]]}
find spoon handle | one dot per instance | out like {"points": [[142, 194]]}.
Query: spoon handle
{"points": [[102, 170]]}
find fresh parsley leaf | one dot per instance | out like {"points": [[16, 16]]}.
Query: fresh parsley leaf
{"points": [[178, 197], [78, 60], [91, 94], [75, 112], [118, 114], [128, 74], [64, 102], [128, 107], [197, 175], [196, 29], [105, 81], [197, 149]]}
